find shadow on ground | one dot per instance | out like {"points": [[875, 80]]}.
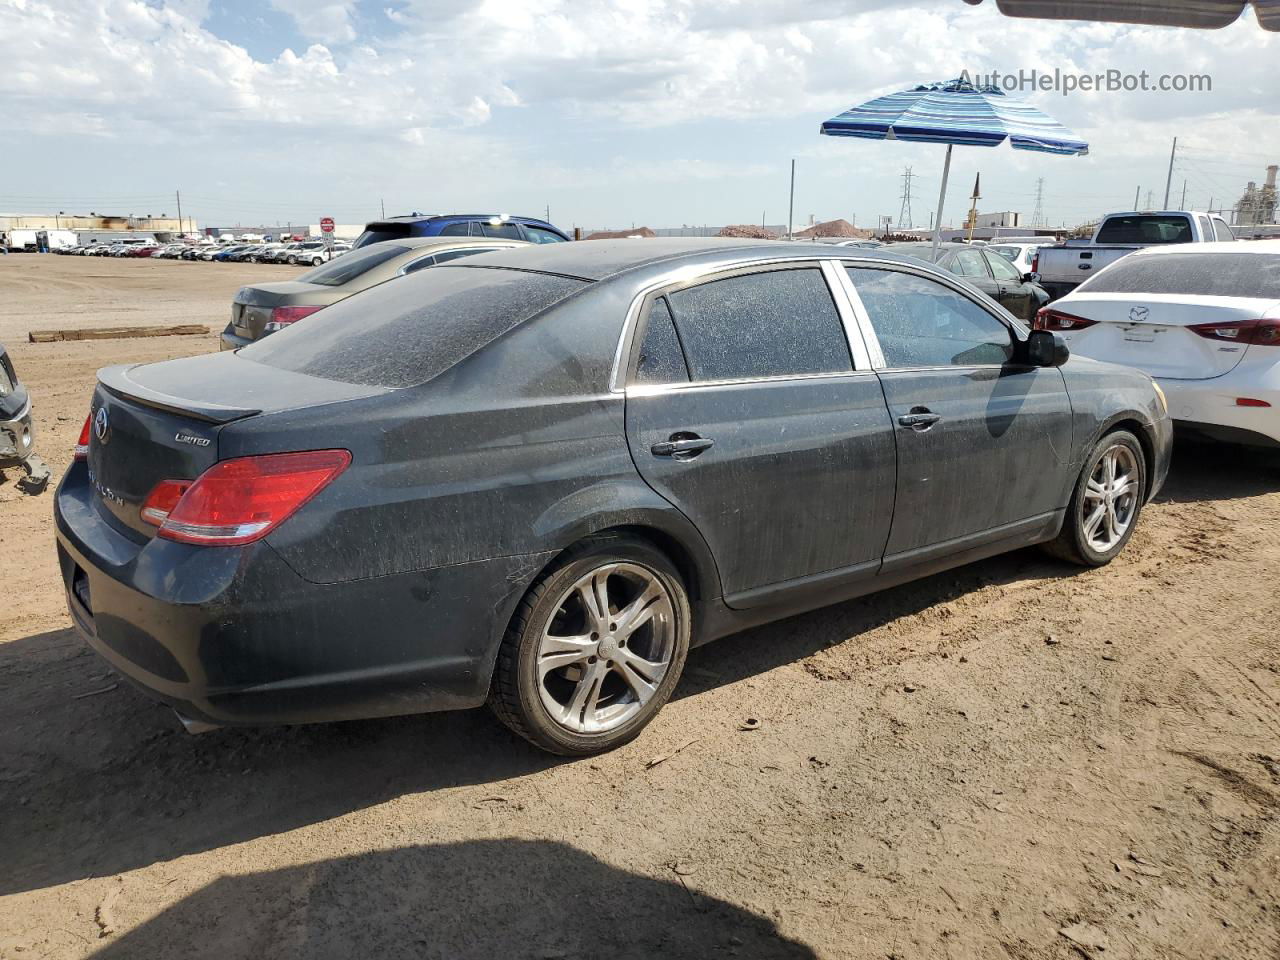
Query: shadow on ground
{"points": [[1203, 470], [481, 899], [103, 783]]}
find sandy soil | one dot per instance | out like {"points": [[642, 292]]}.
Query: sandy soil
{"points": [[1013, 760]]}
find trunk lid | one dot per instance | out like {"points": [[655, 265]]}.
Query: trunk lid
{"points": [[1150, 331], [162, 422], [251, 308]]}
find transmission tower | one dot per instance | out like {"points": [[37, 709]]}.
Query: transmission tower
{"points": [[1037, 218], [904, 212]]}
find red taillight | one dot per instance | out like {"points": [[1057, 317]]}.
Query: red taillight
{"points": [[281, 317], [1048, 318], [161, 501], [1251, 402], [1265, 333], [82, 445], [242, 500], [1035, 262]]}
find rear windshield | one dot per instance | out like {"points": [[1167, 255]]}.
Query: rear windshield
{"points": [[338, 271], [403, 333], [380, 232], [1145, 228], [1253, 275]]}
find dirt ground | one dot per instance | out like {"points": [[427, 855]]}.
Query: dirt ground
{"points": [[1013, 760]]}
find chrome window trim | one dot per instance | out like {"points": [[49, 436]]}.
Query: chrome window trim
{"points": [[1010, 322], [649, 389], [684, 276]]}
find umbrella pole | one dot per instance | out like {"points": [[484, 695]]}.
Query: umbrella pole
{"points": [[942, 198]]}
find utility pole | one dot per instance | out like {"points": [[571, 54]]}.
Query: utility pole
{"points": [[548, 213], [973, 208], [1183, 205], [1137, 195], [904, 212], [178, 196], [1211, 204], [1169, 180], [1037, 218], [383, 204], [791, 205], [1150, 199]]}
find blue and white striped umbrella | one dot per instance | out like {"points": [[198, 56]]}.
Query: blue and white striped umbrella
{"points": [[956, 112]]}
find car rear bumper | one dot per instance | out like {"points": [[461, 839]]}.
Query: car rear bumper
{"points": [[233, 636], [232, 340], [1213, 403]]}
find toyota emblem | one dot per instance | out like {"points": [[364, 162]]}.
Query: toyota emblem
{"points": [[1138, 314], [101, 425]]}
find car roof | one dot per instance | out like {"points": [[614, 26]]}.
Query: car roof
{"points": [[1217, 246], [420, 217], [603, 259]]}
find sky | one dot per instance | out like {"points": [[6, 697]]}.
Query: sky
{"points": [[606, 113]]}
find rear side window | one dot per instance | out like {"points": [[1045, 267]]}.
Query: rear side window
{"points": [[773, 324], [404, 333], [382, 232], [456, 230], [1145, 228], [661, 359], [349, 266], [921, 323], [1253, 275], [1221, 231]]}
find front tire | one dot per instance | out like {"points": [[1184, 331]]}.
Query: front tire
{"points": [[293, 261], [1105, 504], [595, 648]]}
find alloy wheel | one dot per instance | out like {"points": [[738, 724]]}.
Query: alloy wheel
{"points": [[606, 649], [1111, 498]]}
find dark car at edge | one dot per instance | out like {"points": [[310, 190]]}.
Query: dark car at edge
{"points": [[539, 476]]}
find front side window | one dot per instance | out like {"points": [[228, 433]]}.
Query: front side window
{"points": [[540, 235], [777, 323], [504, 231], [922, 323]]}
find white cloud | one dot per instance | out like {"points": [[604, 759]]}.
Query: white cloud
{"points": [[328, 21]]}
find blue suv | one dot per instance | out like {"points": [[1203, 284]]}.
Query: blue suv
{"points": [[460, 225]]}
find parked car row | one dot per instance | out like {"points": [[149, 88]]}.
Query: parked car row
{"points": [[306, 252]]}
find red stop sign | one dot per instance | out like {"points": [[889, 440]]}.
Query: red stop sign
{"points": [[326, 224]]}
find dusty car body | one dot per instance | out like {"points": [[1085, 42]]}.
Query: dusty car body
{"points": [[539, 476]]}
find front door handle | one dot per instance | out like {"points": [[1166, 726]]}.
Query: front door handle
{"points": [[919, 419], [681, 446]]}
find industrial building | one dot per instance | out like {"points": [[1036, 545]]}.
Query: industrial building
{"points": [[1257, 204]]}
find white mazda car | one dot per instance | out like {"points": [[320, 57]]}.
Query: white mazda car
{"points": [[1202, 319]]}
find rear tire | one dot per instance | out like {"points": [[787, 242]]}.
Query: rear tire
{"points": [[1105, 504], [293, 261], [595, 648]]}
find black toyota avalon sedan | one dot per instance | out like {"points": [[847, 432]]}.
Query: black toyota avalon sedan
{"points": [[536, 477]]}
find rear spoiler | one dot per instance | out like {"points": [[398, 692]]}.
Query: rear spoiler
{"points": [[116, 380]]}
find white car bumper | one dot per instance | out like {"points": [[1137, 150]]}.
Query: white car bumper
{"points": [[1216, 403]]}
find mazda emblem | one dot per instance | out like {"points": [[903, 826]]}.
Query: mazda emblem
{"points": [[1138, 314], [101, 425]]}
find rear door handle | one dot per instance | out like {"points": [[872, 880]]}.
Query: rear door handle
{"points": [[919, 420], [681, 446]]}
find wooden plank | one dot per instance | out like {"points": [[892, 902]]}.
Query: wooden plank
{"points": [[116, 333]]}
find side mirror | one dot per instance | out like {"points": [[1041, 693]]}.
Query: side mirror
{"points": [[1046, 349], [1031, 278]]}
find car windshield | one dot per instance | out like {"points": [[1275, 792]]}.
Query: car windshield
{"points": [[404, 333], [340, 271], [1252, 275]]}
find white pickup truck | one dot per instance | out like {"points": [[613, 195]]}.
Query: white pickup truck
{"points": [[1065, 267]]}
